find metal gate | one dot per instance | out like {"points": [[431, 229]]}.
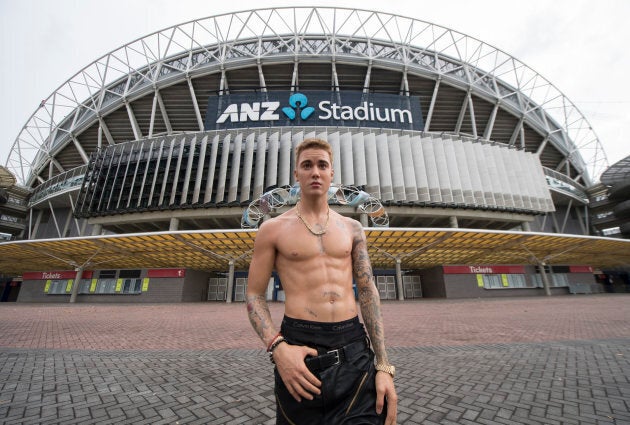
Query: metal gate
{"points": [[412, 287], [217, 287], [386, 287], [240, 287]]}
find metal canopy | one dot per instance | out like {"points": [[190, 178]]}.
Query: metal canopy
{"points": [[213, 250], [618, 173], [7, 179]]}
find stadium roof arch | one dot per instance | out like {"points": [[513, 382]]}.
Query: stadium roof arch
{"points": [[153, 85]]}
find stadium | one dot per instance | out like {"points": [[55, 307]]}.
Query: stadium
{"points": [[144, 176]]}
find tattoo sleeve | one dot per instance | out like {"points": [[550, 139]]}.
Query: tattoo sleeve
{"points": [[369, 300], [260, 317]]}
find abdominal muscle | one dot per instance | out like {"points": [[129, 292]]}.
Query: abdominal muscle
{"points": [[316, 270], [319, 290]]}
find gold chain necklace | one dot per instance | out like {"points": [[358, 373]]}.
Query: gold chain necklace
{"points": [[308, 226]]}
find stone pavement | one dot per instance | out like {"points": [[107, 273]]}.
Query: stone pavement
{"points": [[538, 360]]}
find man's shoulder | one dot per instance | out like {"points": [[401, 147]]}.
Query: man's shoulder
{"points": [[271, 224], [353, 223]]}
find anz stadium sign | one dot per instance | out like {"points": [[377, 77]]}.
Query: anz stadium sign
{"points": [[314, 108]]}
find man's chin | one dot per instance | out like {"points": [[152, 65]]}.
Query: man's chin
{"points": [[318, 190]]}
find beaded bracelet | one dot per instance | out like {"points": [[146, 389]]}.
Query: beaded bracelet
{"points": [[273, 340], [275, 344]]}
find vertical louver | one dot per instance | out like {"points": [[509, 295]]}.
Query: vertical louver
{"points": [[235, 167]]}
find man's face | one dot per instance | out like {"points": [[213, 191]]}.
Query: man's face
{"points": [[314, 171]]}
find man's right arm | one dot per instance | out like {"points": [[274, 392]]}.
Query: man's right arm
{"points": [[258, 278]]}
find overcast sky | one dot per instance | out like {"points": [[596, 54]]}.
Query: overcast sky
{"points": [[579, 46]]}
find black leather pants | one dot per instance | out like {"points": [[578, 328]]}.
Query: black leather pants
{"points": [[348, 392]]}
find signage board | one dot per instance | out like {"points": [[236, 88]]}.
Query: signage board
{"points": [[581, 269], [55, 275], [313, 108], [166, 273], [495, 269]]}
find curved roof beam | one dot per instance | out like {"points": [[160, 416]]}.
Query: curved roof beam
{"points": [[200, 45]]}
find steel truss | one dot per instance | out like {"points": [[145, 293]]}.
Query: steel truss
{"points": [[279, 35]]}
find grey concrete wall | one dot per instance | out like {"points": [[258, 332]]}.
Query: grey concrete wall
{"points": [[465, 286], [196, 286], [32, 291], [432, 283], [161, 290]]}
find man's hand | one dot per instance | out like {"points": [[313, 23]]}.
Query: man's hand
{"points": [[386, 393], [300, 382]]}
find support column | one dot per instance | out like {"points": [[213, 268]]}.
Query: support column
{"points": [[97, 229], [38, 221], [54, 217], [75, 285], [363, 219], [526, 227], [84, 224], [30, 222], [230, 282], [545, 279], [452, 221], [399, 282], [173, 224]]}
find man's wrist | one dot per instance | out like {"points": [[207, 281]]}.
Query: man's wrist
{"points": [[387, 368], [276, 342], [273, 341]]}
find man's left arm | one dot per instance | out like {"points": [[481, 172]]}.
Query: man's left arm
{"points": [[369, 302]]}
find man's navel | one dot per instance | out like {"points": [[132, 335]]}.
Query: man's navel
{"points": [[332, 296]]}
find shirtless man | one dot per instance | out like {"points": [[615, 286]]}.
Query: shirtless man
{"points": [[325, 372]]}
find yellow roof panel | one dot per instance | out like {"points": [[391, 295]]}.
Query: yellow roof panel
{"points": [[212, 250]]}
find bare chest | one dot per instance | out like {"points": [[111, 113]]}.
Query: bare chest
{"points": [[299, 244]]}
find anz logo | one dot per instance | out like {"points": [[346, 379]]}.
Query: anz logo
{"points": [[298, 100], [256, 111], [266, 111]]}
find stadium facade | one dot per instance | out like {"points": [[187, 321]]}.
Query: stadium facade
{"points": [[193, 128]]}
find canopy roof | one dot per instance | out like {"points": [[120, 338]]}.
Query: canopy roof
{"points": [[618, 173], [213, 250], [6, 178]]}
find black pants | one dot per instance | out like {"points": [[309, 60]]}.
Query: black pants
{"points": [[348, 392]]}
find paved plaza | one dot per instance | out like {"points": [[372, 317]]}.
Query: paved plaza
{"points": [[535, 360]]}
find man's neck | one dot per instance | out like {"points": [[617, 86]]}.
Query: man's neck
{"points": [[314, 205]]}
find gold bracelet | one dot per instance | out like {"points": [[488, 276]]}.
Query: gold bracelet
{"points": [[387, 368]]}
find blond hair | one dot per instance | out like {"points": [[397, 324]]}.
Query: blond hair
{"points": [[313, 143]]}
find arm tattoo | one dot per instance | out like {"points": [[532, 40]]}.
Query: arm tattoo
{"points": [[369, 300], [260, 317]]}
